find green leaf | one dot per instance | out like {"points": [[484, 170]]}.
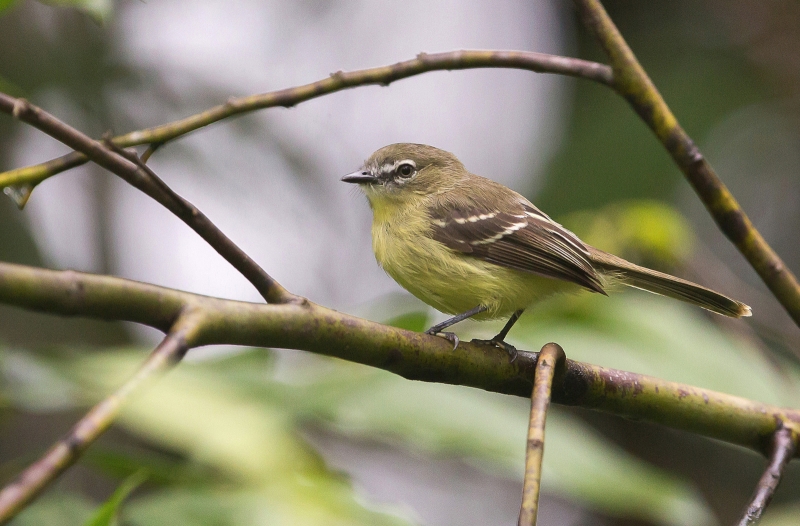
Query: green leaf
{"points": [[786, 515], [227, 415], [99, 10], [55, 509], [32, 383], [644, 333], [6, 4], [108, 513], [491, 430], [644, 231], [411, 321], [308, 501]]}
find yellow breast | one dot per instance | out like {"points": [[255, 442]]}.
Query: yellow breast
{"points": [[445, 279]]}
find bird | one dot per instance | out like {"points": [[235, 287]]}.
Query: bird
{"points": [[473, 248]]}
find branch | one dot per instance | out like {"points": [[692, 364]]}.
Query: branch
{"points": [[384, 75], [31, 482], [784, 443], [550, 358], [138, 175], [631, 81], [412, 355]]}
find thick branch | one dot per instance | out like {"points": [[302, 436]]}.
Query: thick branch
{"points": [[784, 443], [551, 357], [631, 81], [139, 176], [412, 355], [31, 482], [384, 75]]}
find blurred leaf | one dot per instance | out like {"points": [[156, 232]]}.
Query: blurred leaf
{"points": [[781, 516], [644, 333], [217, 414], [6, 86], [412, 321], [55, 509], [642, 231], [4, 6], [160, 468], [491, 429], [108, 513], [99, 10], [31, 383], [306, 501]]}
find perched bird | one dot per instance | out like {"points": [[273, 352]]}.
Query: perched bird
{"points": [[469, 246]]}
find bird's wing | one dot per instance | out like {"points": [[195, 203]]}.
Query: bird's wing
{"points": [[515, 235]]}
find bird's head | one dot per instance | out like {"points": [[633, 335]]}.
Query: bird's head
{"points": [[404, 171]]}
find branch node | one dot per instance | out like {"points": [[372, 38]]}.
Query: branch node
{"points": [[21, 107]]}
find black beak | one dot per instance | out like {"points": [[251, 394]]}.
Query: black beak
{"points": [[360, 177]]}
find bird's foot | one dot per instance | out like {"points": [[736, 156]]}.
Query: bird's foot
{"points": [[500, 344], [449, 336]]}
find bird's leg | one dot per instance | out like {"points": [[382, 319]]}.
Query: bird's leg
{"points": [[436, 330], [499, 340]]}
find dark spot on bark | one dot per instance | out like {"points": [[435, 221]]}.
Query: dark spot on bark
{"points": [[73, 444], [682, 393], [394, 357], [535, 443], [573, 387], [705, 398]]}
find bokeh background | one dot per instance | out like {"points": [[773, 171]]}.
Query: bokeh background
{"points": [[254, 436]]}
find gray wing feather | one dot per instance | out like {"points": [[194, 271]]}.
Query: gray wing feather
{"points": [[519, 237]]}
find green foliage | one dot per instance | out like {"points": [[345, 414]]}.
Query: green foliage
{"points": [[640, 230], [55, 509], [6, 4], [233, 417], [99, 10], [781, 516], [108, 513]]}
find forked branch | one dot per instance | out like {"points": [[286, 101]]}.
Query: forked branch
{"points": [[138, 175]]}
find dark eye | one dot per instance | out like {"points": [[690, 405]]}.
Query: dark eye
{"points": [[405, 170]]}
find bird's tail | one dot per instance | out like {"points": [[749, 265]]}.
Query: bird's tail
{"points": [[659, 283]]}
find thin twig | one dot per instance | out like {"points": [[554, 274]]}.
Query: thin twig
{"points": [[141, 177], [550, 357], [784, 443], [632, 82], [31, 482], [383, 75]]}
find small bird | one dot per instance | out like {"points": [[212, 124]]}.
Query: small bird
{"points": [[472, 247]]}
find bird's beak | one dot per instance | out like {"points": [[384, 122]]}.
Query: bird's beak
{"points": [[360, 177]]}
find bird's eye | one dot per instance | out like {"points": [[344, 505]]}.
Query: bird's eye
{"points": [[406, 170]]}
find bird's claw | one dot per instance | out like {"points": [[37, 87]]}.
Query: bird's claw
{"points": [[500, 344], [449, 336]]}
